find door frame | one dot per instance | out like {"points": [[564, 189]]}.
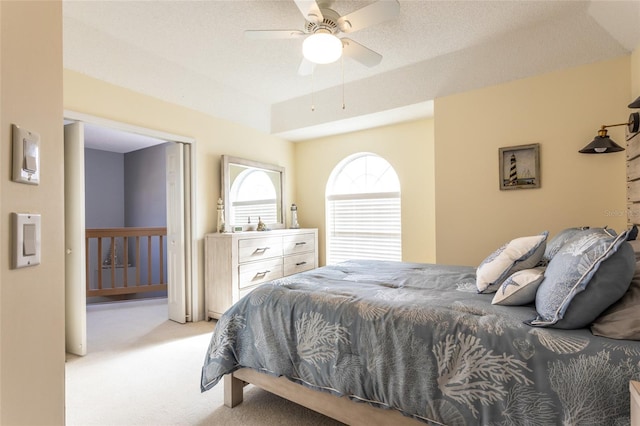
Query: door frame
{"points": [[191, 280]]}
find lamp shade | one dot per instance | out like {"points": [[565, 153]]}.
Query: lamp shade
{"points": [[601, 145], [635, 104], [322, 48]]}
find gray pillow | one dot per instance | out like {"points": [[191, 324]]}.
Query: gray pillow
{"points": [[591, 271], [622, 319], [636, 247], [555, 244]]}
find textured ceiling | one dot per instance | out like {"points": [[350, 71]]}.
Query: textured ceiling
{"points": [[193, 53], [115, 140]]}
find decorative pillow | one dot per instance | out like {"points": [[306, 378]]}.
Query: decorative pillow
{"points": [[636, 248], [622, 319], [520, 288], [589, 273], [556, 243], [518, 254]]}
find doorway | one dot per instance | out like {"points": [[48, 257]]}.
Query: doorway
{"points": [[180, 208]]}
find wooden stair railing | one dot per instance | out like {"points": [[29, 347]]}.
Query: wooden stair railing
{"points": [[114, 286]]}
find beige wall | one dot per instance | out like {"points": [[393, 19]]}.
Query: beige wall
{"points": [[409, 149], [32, 299], [213, 136], [635, 74], [463, 206], [3, 160], [561, 111]]}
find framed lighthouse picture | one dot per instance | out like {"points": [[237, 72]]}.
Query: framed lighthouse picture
{"points": [[520, 167]]}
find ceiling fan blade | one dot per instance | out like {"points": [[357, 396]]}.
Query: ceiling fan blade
{"points": [[310, 10], [360, 53], [273, 34], [374, 13], [306, 67]]}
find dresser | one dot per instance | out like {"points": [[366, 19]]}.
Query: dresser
{"points": [[235, 263]]}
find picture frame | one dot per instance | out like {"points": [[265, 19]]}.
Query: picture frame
{"points": [[519, 167]]}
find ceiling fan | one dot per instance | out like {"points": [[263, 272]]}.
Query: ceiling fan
{"points": [[323, 24]]}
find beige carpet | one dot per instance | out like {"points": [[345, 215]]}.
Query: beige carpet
{"points": [[143, 369]]}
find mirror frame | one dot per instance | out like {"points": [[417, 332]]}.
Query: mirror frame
{"points": [[226, 187]]}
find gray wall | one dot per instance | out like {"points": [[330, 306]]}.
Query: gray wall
{"points": [[145, 192], [125, 189], [104, 189]]}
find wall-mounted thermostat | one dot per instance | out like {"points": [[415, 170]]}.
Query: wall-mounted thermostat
{"points": [[26, 239], [26, 155]]}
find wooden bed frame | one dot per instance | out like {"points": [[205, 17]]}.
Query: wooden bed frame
{"points": [[634, 391], [339, 408]]}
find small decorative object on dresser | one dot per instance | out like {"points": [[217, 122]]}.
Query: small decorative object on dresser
{"points": [[235, 263], [221, 226], [520, 166], [294, 217], [261, 225]]}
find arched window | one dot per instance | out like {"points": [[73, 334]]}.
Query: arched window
{"points": [[254, 195], [363, 210]]}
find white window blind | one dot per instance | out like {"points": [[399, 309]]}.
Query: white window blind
{"points": [[366, 224], [366, 227], [243, 211]]}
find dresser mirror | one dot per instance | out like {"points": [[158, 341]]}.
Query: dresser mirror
{"points": [[251, 191]]}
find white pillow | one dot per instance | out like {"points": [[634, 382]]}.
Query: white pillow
{"points": [[520, 288], [518, 254]]}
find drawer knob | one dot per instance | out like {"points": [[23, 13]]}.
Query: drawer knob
{"points": [[262, 274], [301, 263], [301, 243], [262, 249]]}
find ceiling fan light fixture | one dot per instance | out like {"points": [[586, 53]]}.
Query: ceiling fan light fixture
{"points": [[322, 47]]}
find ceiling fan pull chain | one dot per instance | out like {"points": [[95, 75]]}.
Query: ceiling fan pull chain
{"points": [[342, 66], [313, 107]]}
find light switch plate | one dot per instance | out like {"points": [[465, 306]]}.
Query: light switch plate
{"points": [[26, 239], [26, 155]]}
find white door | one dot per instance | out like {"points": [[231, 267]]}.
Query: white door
{"points": [[75, 269], [176, 233]]}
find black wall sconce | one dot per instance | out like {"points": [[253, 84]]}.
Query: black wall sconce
{"points": [[602, 144]]}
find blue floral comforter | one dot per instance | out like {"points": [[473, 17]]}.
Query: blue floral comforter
{"points": [[419, 338]]}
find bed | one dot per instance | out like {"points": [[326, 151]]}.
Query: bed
{"points": [[377, 342]]}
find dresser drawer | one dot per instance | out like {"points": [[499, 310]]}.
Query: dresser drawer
{"points": [[251, 274], [251, 249], [299, 243], [299, 263]]}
